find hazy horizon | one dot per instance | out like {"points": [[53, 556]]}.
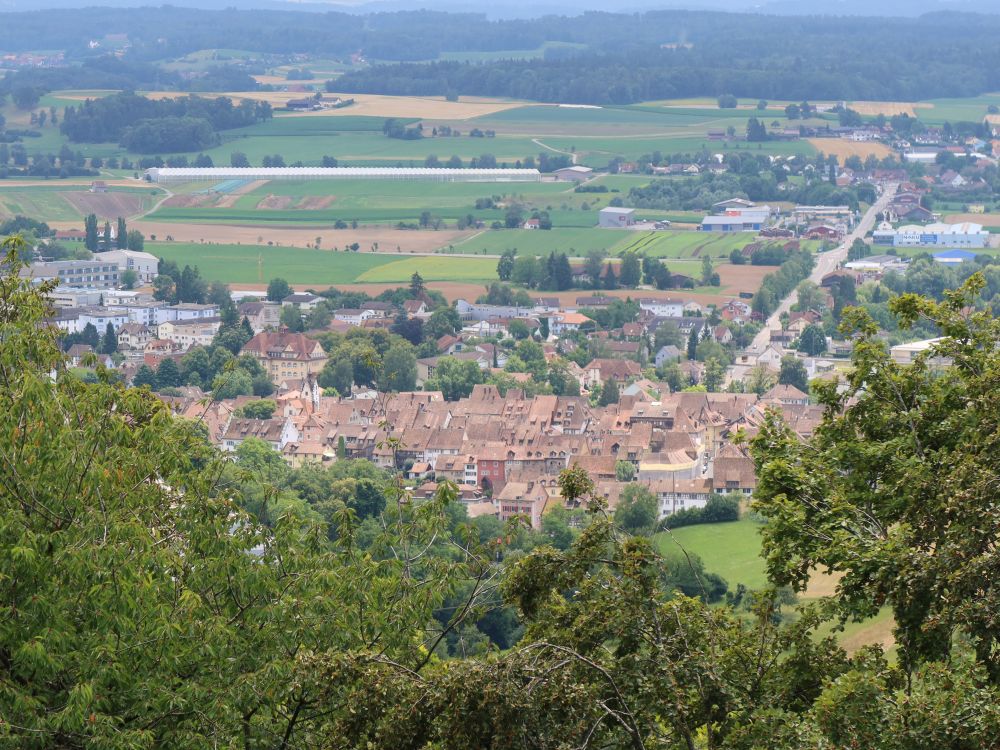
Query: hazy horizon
{"points": [[520, 9]]}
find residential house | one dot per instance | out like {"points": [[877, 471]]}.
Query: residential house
{"points": [[563, 323], [186, 311], [188, 333], [286, 355], [262, 316], [304, 301], [675, 494], [668, 353], [133, 337], [733, 472], [381, 309], [663, 308], [415, 308], [354, 316], [599, 371], [523, 499], [788, 395], [276, 432]]}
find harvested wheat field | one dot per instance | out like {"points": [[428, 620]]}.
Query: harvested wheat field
{"points": [[987, 220], [425, 108], [870, 109], [316, 202], [275, 202], [388, 239], [842, 148], [745, 278]]}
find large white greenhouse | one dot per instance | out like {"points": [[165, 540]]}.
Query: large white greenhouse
{"points": [[424, 174]]}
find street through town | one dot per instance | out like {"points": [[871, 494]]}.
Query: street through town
{"points": [[825, 263]]}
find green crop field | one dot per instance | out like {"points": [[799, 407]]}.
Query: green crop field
{"points": [[691, 244], [957, 110], [535, 242], [436, 268], [381, 202], [238, 264]]}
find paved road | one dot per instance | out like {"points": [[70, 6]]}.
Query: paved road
{"points": [[825, 263]]}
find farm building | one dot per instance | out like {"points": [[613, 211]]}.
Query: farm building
{"points": [[750, 223], [615, 218], [940, 235], [424, 174], [575, 173]]}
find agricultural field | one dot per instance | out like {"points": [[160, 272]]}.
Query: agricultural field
{"points": [[433, 268], [386, 240], [844, 149], [54, 202], [679, 244], [252, 264], [368, 202], [733, 551]]}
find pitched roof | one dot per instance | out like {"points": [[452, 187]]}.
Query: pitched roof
{"points": [[297, 344]]}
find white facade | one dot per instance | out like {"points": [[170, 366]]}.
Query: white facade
{"points": [[663, 308], [938, 235], [353, 316], [614, 218], [145, 265], [188, 333], [144, 312], [186, 311]]}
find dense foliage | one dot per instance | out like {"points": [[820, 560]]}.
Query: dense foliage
{"points": [[145, 604], [605, 57], [149, 124], [745, 55]]}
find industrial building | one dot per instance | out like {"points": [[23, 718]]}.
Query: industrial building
{"points": [[422, 174], [616, 218], [964, 235], [737, 223]]}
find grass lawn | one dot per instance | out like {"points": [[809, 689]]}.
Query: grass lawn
{"points": [[731, 550]]}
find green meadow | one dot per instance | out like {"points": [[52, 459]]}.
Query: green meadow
{"points": [[733, 551], [249, 264]]}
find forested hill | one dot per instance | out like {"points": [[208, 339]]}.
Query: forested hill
{"points": [[597, 58], [938, 55]]}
